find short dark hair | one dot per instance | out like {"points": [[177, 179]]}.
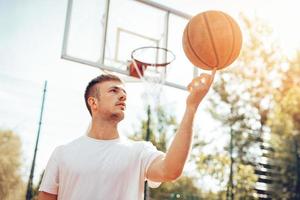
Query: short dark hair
{"points": [[92, 90]]}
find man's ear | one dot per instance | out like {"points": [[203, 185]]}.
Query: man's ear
{"points": [[92, 101]]}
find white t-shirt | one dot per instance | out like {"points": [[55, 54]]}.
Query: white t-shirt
{"points": [[90, 169]]}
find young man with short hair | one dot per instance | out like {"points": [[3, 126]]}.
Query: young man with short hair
{"points": [[103, 165]]}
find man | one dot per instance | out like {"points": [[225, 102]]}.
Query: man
{"points": [[102, 165]]}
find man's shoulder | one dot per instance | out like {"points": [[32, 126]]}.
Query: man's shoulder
{"points": [[75, 141], [69, 145]]}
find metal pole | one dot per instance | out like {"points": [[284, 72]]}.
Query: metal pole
{"points": [[297, 188], [30, 181], [229, 192], [146, 189], [67, 28]]}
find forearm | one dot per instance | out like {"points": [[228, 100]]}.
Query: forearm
{"points": [[177, 153], [170, 166], [46, 196]]}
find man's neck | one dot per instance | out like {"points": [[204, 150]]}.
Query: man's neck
{"points": [[103, 130]]}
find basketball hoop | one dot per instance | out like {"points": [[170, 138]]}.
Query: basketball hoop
{"points": [[145, 57], [150, 65]]}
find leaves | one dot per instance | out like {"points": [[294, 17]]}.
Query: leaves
{"points": [[241, 101], [11, 185], [285, 125]]}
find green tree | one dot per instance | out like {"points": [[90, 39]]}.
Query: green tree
{"points": [[11, 184], [214, 165], [162, 126], [285, 125], [241, 101], [245, 182], [183, 188]]}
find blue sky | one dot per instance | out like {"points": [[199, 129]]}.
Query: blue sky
{"points": [[30, 48]]}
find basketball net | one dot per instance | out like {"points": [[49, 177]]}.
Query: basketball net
{"points": [[149, 64], [153, 79]]}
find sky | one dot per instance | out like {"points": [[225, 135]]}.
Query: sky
{"points": [[31, 34]]}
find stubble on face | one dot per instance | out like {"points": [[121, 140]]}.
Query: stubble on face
{"points": [[117, 117], [109, 115]]}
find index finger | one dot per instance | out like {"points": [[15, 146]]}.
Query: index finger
{"points": [[213, 75], [214, 72]]}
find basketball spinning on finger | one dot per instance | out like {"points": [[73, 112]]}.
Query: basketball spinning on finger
{"points": [[212, 40]]}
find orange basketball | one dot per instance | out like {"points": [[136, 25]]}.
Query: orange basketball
{"points": [[212, 39]]}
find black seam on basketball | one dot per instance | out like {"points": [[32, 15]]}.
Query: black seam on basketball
{"points": [[191, 47], [233, 40], [212, 39]]}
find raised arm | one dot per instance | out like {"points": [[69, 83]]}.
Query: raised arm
{"points": [[170, 166]]}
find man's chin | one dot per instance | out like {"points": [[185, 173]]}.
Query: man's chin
{"points": [[118, 116], [121, 117]]}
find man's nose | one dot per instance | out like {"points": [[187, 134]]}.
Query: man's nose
{"points": [[122, 96]]}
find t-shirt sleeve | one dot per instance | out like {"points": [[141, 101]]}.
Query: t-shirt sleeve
{"points": [[149, 154], [50, 179]]}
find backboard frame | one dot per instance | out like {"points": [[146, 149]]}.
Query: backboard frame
{"points": [[100, 63]]}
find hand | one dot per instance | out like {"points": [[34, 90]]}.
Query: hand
{"points": [[198, 88]]}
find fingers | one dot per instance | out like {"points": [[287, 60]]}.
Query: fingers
{"points": [[204, 80], [214, 72], [207, 79], [200, 82], [213, 75]]}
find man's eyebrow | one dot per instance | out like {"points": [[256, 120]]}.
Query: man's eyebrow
{"points": [[118, 88]]}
